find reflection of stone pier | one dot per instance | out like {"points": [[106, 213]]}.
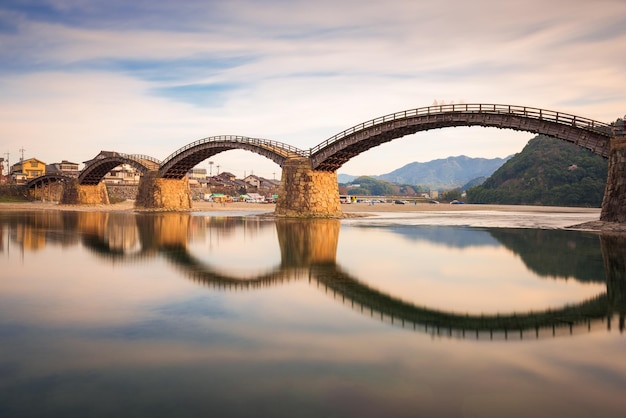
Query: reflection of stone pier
{"points": [[113, 231], [171, 230], [308, 242], [614, 253], [92, 223]]}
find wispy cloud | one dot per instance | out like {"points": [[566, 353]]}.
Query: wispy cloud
{"points": [[156, 75]]}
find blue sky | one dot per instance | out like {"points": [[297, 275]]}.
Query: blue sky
{"points": [[149, 77]]}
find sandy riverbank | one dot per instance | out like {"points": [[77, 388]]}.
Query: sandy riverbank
{"points": [[496, 215]]}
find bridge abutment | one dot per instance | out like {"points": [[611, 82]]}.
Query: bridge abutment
{"points": [[165, 194], [80, 194], [614, 201], [307, 193]]}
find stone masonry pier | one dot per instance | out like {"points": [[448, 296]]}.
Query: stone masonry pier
{"points": [[614, 202], [163, 194], [307, 193], [80, 194]]}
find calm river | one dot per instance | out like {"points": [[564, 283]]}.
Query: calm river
{"points": [[186, 315]]}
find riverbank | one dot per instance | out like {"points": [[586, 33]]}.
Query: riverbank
{"points": [[490, 215]]}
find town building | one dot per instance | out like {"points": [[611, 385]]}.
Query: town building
{"points": [[124, 174], [197, 173], [28, 169], [260, 182], [63, 168]]}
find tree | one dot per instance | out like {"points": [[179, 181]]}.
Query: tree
{"points": [[450, 195]]}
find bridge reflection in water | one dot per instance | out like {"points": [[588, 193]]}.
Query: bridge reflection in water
{"points": [[308, 250]]}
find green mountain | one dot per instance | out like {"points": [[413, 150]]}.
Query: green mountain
{"points": [[446, 173], [548, 172]]}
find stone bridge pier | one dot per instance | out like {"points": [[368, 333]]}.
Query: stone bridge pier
{"points": [[81, 194], [160, 193], [307, 193], [614, 202]]}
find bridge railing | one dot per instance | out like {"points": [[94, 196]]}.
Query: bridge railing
{"points": [[527, 112], [142, 157], [264, 143], [135, 157], [47, 177]]}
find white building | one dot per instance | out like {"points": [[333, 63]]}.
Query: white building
{"points": [[122, 174]]}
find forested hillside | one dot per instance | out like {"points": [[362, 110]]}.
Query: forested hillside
{"points": [[548, 172], [369, 186]]}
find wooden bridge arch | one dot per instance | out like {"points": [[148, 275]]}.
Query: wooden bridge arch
{"points": [[97, 168], [182, 160], [47, 187], [47, 179], [331, 154]]}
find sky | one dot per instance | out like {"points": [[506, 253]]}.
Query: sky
{"points": [[151, 76]]}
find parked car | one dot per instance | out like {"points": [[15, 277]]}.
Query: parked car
{"points": [[456, 202], [399, 202]]}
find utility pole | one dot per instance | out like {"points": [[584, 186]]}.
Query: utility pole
{"points": [[218, 170], [22, 151], [211, 168], [8, 164]]}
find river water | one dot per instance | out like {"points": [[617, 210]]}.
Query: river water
{"points": [[225, 315]]}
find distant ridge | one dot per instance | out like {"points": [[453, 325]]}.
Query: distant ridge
{"points": [[445, 173]]}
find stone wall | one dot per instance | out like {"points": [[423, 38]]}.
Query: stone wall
{"points": [[305, 192], [165, 194], [13, 191], [614, 202], [119, 192]]}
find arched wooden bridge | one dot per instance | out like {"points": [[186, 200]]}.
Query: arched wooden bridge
{"points": [[309, 186], [332, 153], [337, 150], [178, 164]]}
